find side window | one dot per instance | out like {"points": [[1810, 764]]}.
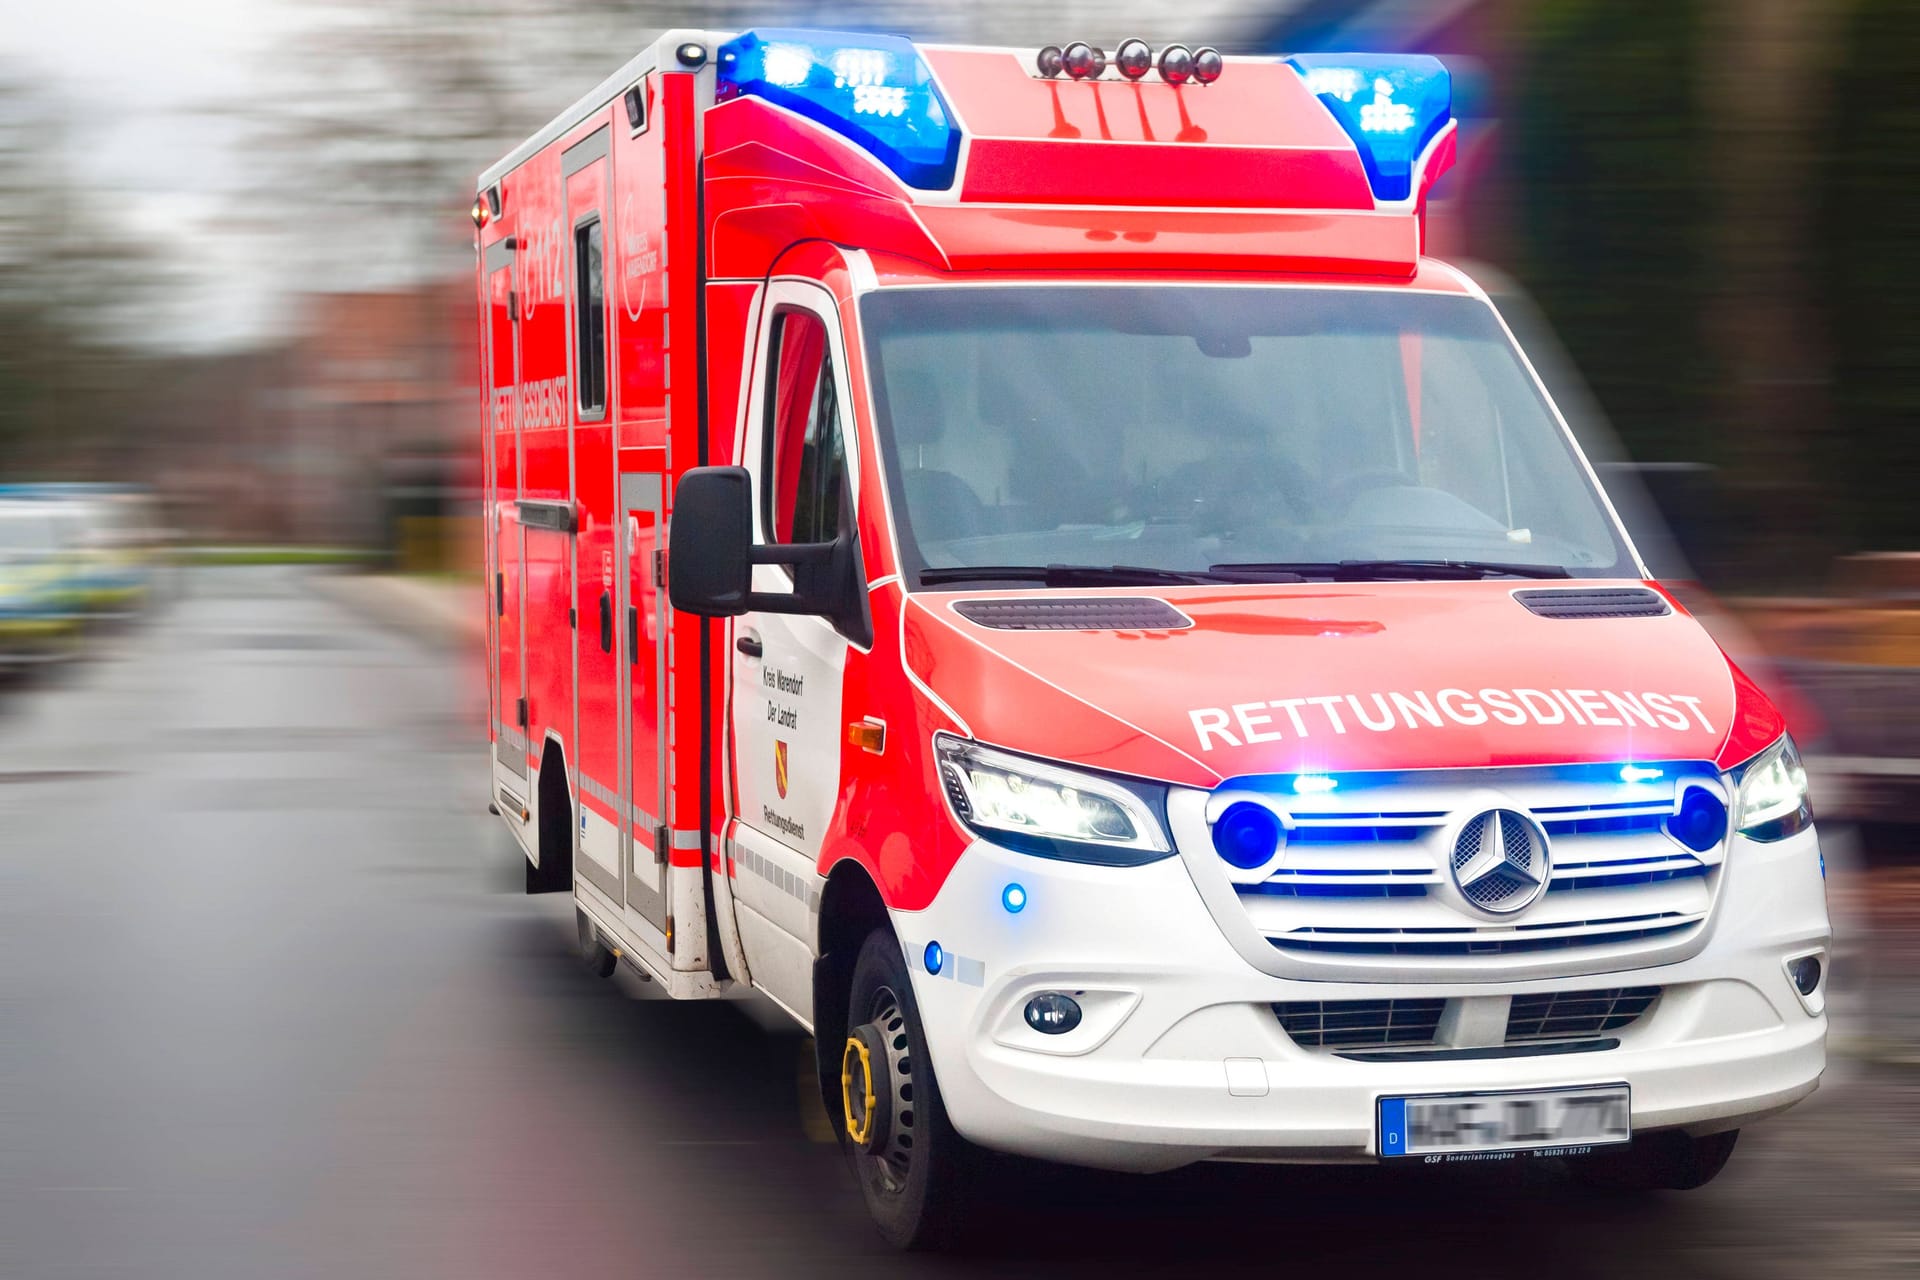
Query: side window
{"points": [[590, 319], [805, 460]]}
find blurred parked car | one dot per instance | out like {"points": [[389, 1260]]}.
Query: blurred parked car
{"points": [[40, 613], [105, 540]]}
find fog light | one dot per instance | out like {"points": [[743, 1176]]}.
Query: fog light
{"points": [[1053, 1013], [1805, 972], [1247, 835]]}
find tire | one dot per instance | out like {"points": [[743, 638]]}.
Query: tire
{"points": [[920, 1194], [594, 953], [1668, 1161]]}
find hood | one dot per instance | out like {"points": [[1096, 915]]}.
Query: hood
{"points": [[1245, 680]]}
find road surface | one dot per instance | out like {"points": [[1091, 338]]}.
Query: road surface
{"points": [[272, 1004]]}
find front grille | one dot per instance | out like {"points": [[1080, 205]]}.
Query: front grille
{"points": [[1477, 942], [1573, 1020], [1372, 869], [1573, 1015], [1359, 1024]]}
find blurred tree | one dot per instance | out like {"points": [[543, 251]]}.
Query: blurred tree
{"points": [[73, 291], [1664, 157], [1870, 188], [1611, 202], [1762, 97]]}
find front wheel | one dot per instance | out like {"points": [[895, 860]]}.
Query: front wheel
{"points": [[914, 1170], [1667, 1161]]}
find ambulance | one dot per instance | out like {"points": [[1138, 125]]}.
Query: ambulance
{"points": [[1021, 560]]}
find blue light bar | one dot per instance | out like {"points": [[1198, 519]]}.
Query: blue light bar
{"points": [[875, 91], [1391, 105]]}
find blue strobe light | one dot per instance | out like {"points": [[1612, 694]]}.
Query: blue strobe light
{"points": [[1391, 105], [1014, 898], [875, 91], [934, 957], [1247, 835], [1700, 823]]}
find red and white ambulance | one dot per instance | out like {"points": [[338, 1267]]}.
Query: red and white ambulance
{"points": [[1019, 558]]}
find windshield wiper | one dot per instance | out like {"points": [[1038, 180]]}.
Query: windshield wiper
{"points": [[1361, 570], [1069, 575]]}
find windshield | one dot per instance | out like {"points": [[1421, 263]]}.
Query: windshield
{"points": [[1206, 429]]}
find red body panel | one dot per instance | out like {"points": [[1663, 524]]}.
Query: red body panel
{"points": [[1290, 679]]}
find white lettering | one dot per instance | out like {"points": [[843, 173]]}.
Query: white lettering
{"points": [[1590, 703], [1467, 711], [1246, 723], [1327, 704], [1533, 699], [1250, 715], [1693, 705], [1212, 720], [1424, 708], [1386, 716], [1504, 708], [1629, 707], [1292, 707], [1665, 710]]}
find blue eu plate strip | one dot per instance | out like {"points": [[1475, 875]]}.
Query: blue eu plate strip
{"points": [[1393, 1126]]}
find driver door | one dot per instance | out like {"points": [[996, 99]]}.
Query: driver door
{"points": [[787, 669]]}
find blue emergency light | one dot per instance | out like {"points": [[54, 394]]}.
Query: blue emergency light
{"points": [[1391, 105], [875, 91]]}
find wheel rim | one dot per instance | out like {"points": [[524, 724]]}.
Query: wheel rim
{"points": [[889, 1156]]}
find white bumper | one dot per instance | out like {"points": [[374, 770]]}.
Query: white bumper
{"points": [[1180, 1056]]}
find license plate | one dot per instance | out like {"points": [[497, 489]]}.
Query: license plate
{"points": [[1448, 1124]]}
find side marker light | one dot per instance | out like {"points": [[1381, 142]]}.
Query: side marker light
{"points": [[934, 957]]}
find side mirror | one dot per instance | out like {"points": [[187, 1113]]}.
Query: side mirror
{"points": [[710, 551], [710, 559]]}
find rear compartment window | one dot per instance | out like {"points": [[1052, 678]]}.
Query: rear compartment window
{"points": [[1180, 427], [590, 319]]}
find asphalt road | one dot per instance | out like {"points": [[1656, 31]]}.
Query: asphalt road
{"points": [[272, 1005]]}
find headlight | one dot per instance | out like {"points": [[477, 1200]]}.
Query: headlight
{"points": [[1772, 792], [1051, 810]]}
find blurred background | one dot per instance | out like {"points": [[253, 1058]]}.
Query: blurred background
{"points": [[277, 1007]]}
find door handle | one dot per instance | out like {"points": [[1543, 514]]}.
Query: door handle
{"points": [[633, 635], [500, 595], [606, 622], [750, 645]]}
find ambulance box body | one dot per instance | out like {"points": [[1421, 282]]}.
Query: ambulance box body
{"points": [[1023, 561]]}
